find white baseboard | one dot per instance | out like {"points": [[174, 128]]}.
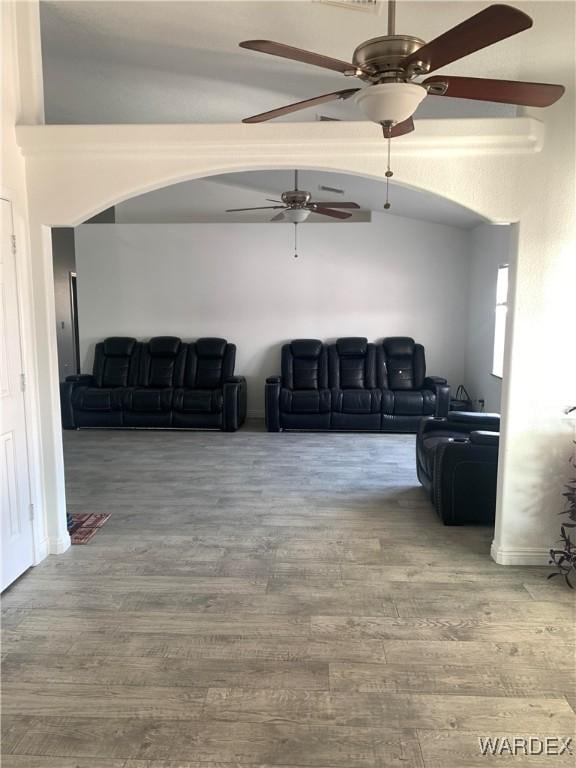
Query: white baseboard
{"points": [[521, 556], [41, 550], [58, 545]]}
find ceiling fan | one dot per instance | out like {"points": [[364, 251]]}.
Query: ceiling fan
{"points": [[297, 204], [390, 65]]}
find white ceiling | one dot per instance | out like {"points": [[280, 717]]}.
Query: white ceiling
{"points": [[148, 61], [206, 200]]}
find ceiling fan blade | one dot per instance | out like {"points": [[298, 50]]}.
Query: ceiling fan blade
{"points": [[329, 212], [273, 201], [406, 126], [506, 91], [259, 208], [336, 205], [495, 23], [279, 217], [298, 54], [300, 105]]}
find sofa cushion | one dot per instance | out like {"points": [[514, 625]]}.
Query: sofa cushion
{"points": [[118, 346], [352, 346], [161, 363], [97, 399], [356, 400], [306, 348], [198, 400], [209, 362], [149, 400], [409, 403], [405, 363], [304, 401], [164, 346], [115, 361], [304, 365], [352, 364]]}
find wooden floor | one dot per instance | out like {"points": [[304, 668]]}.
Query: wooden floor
{"points": [[275, 600]]}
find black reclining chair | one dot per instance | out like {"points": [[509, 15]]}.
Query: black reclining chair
{"points": [[149, 402], [97, 400], [356, 400], [457, 463], [299, 398], [163, 383], [210, 396], [411, 394]]}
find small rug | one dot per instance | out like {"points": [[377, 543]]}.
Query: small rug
{"points": [[85, 525]]}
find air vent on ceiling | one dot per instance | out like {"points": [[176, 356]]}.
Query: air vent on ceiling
{"points": [[372, 6], [334, 190]]}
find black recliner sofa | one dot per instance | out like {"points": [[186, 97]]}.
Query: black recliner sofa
{"points": [[353, 385], [162, 383], [457, 464]]}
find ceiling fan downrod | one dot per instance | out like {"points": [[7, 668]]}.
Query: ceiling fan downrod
{"points": [[391, 17]]}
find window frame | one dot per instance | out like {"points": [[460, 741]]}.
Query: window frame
{"points": [[500, 321]]}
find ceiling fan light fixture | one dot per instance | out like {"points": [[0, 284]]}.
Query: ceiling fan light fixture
{"points": [[296, 215], [390, 102]]}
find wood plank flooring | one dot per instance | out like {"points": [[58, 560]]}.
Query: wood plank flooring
{"points": [[286, 600]]}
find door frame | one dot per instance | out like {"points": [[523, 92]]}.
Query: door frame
{"points": [[31, 402], [73, 285]]}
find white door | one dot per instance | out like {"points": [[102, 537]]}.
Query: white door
{"points": [[17, 533]]}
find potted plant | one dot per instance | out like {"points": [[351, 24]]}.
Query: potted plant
{"points": [[565, 557]]}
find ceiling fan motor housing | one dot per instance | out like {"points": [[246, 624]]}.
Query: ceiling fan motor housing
{"points": [[296, 198], [381, 57]]}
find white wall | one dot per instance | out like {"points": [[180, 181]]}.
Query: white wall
{"points": [[536, 437], [22, 101], [490, 247], [390, 277]]}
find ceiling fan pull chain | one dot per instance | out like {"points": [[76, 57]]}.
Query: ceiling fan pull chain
{"points": [[295, 240], [388, 174]]}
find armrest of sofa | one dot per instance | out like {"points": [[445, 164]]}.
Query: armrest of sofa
{"points": [[86, 379], [272, 403], [235, 392], [472, 421], [235, 380], [431, 382], [441, 389], [66, 391], [485, 437]]}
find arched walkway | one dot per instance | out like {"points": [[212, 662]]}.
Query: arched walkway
{"points": [[76, 171]]}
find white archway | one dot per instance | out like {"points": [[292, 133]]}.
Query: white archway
{"points": [[76, 171]]}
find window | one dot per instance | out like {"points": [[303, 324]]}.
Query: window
{"points": [[500, 321]]}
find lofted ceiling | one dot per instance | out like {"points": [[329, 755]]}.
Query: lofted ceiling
{"points": [[141, 61], [159, 61], [206, 200]]}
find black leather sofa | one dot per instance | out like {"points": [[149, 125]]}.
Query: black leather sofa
{"points": [[457, 463], [353, 385], [162, 383]]}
